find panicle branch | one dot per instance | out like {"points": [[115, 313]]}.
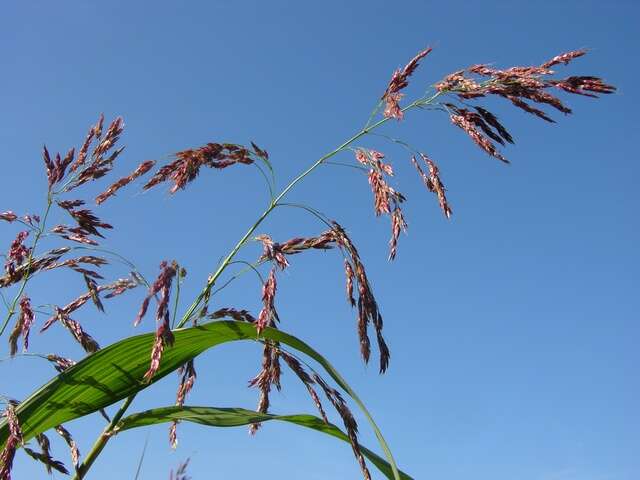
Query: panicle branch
{"points": [[188, 163], [400, 80]]}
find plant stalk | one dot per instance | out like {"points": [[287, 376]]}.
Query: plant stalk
{"points": [[102, 440]]}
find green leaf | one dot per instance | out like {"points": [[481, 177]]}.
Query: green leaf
{"points": [[117, 371], [235, 417]]}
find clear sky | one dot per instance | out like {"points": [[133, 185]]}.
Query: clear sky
{"points": [[513, 327]]}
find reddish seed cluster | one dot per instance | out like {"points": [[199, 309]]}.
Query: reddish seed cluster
{"points": [[272, 251], [73, 446], [95, 131], [433, 183], [60, 363], [8, 216], [350, 275], [13, 442], [86, 341], [398, 224], [22, 327], [115, 288], [101, 162], [163, 282], [237, 315], [74, 264], [164, 336], [269, 375], [56, 168], [268, 313], [88, 223], [17, 273], [306, 379], [368, 311], [87, 168], [92, 287], [143, 168], [18, 253], [32, 219], [188, 163], [347, 419], [277, 251], [44, 456], [472, 123], [386, 199], [519, 85], [400, 80], [187, 378]]}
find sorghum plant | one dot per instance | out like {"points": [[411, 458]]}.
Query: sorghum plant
{"points": [[68, 235]]}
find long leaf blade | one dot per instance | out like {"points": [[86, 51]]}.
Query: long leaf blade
{"points": [[235, 417]]}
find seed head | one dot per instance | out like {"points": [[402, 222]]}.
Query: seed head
{"points": [[399, 80]]}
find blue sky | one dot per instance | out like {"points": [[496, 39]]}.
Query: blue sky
{"points": [[513, 327]]}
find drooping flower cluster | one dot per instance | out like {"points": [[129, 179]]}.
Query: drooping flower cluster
{"points": [[336, 400], [164, 336], [17, 254], [13, 442], [189, 162], [8, 216], [268, 314], [237, 315], [268, 376], [63, 314], [433, 183], [100, 162], [400, 80], [348, 420], [188, 375], [44, 455], [520, 85], [386, 199], [71, 443], [88, 223], [368, 312], [56, 168], [22, 327], [115, 288], [277, 251]]}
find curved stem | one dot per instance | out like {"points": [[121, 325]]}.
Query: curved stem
{"points": [[249, 267], [319, 215]]}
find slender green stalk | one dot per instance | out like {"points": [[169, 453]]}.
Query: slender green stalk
{"points": [[102, 440]]}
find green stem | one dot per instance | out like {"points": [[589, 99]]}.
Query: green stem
{"points": [[102, 440]]}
